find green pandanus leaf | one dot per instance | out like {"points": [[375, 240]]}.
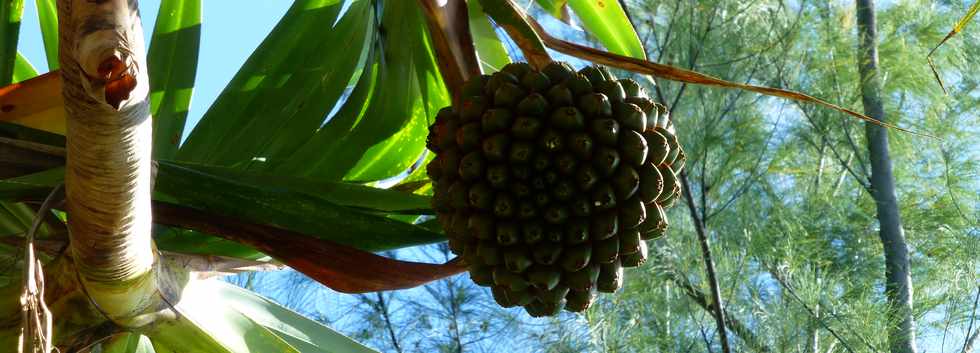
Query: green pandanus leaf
{"points": [[11, 12], [172, 61], [607, 21], [280, 97], [217, 317], [493, 56], [47, 14]]}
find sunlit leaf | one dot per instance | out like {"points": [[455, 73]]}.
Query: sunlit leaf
{"points": [[553, 7], [47, 13], [230, 328], [301, 333], [380, 130], [183, 334], [172, 61], [399, 122], [285, 90], [23, 69], [306, 335], [493, 56], [316, 158], [607, 21], [128, 343], [216, 317]]}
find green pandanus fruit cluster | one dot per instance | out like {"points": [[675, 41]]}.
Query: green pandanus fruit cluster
{"points": [[547, 182]]}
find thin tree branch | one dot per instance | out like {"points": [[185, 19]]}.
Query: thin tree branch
{"points": [[949, 188], [840, 179], [795, 297], [756, 172], [701, 299], [704, 337], [831, 37], [968, 343], [790, 30], [385, 313], [709, 264], [861, 180], [779, 278]]}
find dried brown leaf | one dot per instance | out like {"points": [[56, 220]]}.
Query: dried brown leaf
{"points": [[687, 76]]}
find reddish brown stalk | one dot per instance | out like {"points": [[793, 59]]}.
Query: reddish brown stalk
{"points": [[342, 268], [449, 30]]}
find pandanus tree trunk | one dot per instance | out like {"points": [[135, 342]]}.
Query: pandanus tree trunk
{"points": [[898, 278], [108, 171]]}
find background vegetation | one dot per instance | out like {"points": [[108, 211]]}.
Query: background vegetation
{"points": [[782, 188]]}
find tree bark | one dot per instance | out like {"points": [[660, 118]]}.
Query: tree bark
{"points": [[971, 342], [898, 279], [108, 168]]}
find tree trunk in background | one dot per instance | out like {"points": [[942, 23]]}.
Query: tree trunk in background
{"points": [[898, 279], [971, 342]]}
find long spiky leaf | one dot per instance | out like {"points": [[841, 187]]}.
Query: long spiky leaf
{"points": [[47, 15], [11, 12], [172, 61]]}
